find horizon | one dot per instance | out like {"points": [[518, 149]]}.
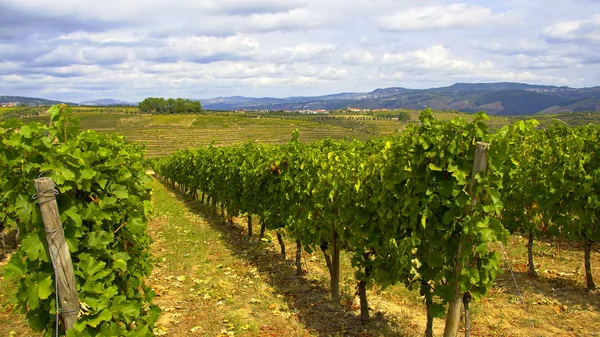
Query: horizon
{"points": [[132, 49], [282, 97]]}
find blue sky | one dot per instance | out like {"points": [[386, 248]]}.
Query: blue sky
{"points": [[130, 49]]}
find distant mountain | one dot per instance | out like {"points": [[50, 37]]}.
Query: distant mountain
{"points": [[107, 102], [495, 98], [30, 101]]}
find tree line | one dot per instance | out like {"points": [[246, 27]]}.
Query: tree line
{"points": [[160, 105]]}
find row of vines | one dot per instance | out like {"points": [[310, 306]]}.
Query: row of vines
{"points": [[410, 208], [402, 206], [103, 195]]}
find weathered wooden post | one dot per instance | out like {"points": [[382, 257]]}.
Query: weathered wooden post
{"points": [[249, 224], [454, 307], [59, 252]]}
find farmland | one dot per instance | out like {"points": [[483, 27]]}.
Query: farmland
{"points": [[212, 280], [163, 134]]}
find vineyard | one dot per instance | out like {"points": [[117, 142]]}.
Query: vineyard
{"points": [[162, 135], [406, 207], [431, 210]]}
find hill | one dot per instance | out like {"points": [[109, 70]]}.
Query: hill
{"points": [[511, 99], [107, 102], [30, 101]]}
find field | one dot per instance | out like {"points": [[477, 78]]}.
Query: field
{"points": [[164, 134], [212, 280]]}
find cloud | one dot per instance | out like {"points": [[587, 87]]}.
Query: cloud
{"points": [[245, 7], [109, 36], [576, 31], [391, 76], [80, 50], [523, 61], [331, 73], [18, 23], [201, 49], [357, 57], [301, 18], [458, 15], [246, 70], [303, 52], [436, 58], [439, 60]]}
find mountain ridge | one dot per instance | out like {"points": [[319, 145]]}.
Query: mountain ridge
{"points": [[500, 98], [107, 102]]}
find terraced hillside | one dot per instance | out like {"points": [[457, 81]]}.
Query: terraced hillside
{"points": [[165, 134]]}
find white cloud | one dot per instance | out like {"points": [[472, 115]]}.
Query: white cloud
{"points": [[303, 52], [201, 49], [301, 18], [458, 15], [108, 36], [73, 49], [357, 57], [331, 73], [439, 61], [244, 70], [576, 31], [436, 57], [392, 76], [523, 61]]}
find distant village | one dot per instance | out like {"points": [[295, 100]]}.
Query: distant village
{"points": [[10, 104], [313, 112]]}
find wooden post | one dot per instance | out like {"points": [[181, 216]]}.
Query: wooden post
{"points": [[249, 224], [59, 252], [454, 307], [466, 300]]}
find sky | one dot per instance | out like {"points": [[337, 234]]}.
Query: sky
{"points": [[76, 50]]}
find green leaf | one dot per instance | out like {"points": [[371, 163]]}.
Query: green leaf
{"points": [[102, 183], [136, 223], [121, 192], [65, 173], [87, 173], [437, 310], [128, 309], [99, 239], [44, 287], [34, 248], [15, 269], [433, 167], [104, 315], [26, 131]]}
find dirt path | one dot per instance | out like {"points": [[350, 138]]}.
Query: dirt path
{"points": [[213, 280], [202, 288]]}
